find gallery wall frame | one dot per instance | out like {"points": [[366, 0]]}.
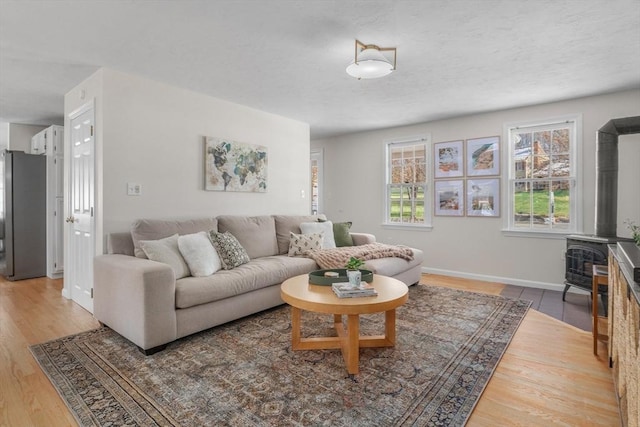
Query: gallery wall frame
{"points": [[483, 156], [449, 197], [448, 159], [234, 166], [483, 197]]}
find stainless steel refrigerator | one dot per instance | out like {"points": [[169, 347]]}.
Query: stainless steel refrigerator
{"points": [[25, 194]]}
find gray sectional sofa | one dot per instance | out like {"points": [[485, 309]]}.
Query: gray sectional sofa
{"points": [[142, 300]]}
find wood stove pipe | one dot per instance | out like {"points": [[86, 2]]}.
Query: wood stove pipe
{"points": [[607, 172]]}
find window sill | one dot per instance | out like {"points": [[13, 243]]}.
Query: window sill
{"points": [[416, 227], [559, 235]]}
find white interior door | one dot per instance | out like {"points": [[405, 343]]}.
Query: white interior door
{"points": [[79, 266]]}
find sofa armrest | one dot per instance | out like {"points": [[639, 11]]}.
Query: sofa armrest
{"points": [[362, 238], [136, 298]]}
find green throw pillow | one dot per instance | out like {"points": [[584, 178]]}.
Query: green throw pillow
{"points": [[341, 233]]}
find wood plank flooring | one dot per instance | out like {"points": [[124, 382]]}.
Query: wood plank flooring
{"points": [[548, 376]]}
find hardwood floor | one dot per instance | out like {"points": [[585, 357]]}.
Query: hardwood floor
{"points": [[548, 375]]}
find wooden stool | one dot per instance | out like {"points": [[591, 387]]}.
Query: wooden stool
{"points": [[600, 277]]}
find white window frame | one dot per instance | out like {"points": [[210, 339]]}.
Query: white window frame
{"points": [[317, 155], [416, 140], [575, 153]]}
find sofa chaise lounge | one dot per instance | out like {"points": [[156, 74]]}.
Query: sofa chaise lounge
{"points": [[143, 301]]}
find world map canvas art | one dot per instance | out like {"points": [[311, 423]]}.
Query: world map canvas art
{"points": [[234, 166]]}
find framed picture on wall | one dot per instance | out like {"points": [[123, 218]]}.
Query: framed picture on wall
{"points": [[449, 198], [483, 197], [234, 166], [483, 156], [448, 158]]}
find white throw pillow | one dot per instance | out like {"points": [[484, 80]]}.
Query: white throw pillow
{"points": [[199, 253], [326, 228], [300, 244], [166, 251]]}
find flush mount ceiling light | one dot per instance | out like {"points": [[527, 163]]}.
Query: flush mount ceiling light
{"points": [[370, 63]]}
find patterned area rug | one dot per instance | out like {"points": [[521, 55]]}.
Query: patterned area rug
{"points": [[244, 373]]}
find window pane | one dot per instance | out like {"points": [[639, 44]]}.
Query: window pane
{"points": [[394, 204], [522, 204], [408, 173], [560, 165], [541, 205], [419, 205], [522, 155], [560, 143], [396, 175], [561, 204]]}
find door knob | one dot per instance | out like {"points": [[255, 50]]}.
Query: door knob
{"points": [[70, 219]]}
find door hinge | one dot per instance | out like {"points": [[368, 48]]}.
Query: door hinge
{"points": [[55, 265], [91, 210], [91, 292], [91, 130]]}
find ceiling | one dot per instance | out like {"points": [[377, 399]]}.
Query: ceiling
{"points": [[455, 57]]}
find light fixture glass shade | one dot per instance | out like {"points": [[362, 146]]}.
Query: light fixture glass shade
{"points": [[371, 65]]}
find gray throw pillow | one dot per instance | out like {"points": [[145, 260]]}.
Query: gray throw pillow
{"points": [[230, 251]]}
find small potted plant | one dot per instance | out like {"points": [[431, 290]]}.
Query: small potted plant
{"points": [[635, 231], [353, 273]]}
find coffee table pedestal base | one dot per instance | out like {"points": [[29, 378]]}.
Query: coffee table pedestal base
{"points": [[348, 340]]}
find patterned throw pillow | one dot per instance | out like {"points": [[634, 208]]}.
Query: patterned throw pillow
{"points": [[300, 244], [230, 251]]}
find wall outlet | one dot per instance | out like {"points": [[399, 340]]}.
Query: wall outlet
{"points": [[134, 189]]}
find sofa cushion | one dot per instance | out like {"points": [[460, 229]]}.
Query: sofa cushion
{"points": [[302, 243], [154, 229], [230, 251], [256, 274], [392, 266], [326, 228], [166, 251], [199, 254], [286, 224], [256, 234]]}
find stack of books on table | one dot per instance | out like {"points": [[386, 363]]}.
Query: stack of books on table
{"points": [[345, 290]]}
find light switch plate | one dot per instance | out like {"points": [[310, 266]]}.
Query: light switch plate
{"points": [[134, 189]]}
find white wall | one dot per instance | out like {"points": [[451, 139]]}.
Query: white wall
{"points": [[153, 134], [19, 136], [4, 135], [476, 247]]}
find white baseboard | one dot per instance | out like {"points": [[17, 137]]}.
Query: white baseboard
{"points": [[506, 280]]}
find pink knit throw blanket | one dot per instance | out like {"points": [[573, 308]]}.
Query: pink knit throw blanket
{"points": [[338, 257]]}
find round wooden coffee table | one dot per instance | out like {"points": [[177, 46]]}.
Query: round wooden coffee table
{"points": [[301, 295]]}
